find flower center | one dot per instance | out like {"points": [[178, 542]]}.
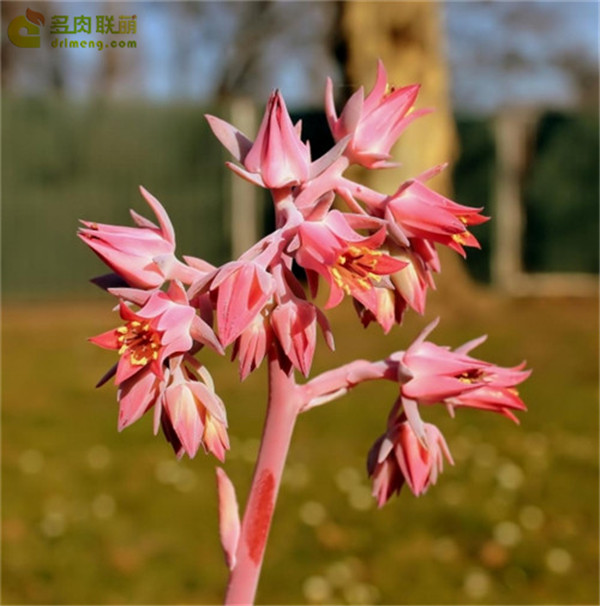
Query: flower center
{"points": [[140, 340], [471, 376], [356, 267]]}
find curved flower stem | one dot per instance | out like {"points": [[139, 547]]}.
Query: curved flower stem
{"points": [[335, 383], [283, 407]]}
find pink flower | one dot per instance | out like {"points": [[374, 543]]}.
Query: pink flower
{"points": [[349, 262], [412, 282], [415, 211], [131, 251], [252, 344], [437, 374], [136, 395], [295, 326], [277, 158], [374, 123], [242, 289], [193, 414], [161, 328], [390, 307], [399, 456]]}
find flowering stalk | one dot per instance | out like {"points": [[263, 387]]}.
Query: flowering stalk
{"points": [[283, 407], [380, 251]]}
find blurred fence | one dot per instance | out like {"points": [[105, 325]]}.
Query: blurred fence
{"points": [[558, 191], [64, 161]]}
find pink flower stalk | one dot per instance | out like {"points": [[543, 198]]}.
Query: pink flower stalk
{"points": [[374, 123], [435, 374], [349, 262], [278, 158], [398, 456], [381, 252], [415, 211], [131, 251]]}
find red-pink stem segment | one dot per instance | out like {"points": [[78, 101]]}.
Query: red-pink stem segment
{"points": [[283, 408], [286, 401]]}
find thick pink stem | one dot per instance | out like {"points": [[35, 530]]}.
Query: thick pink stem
{"points": [[337, 382], [283, 408]]}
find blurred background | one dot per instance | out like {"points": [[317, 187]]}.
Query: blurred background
{"points": [[92, 516]]}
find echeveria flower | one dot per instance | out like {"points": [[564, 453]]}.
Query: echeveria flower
{"points": [[433, 374], [374, 123], [350, 263], [241, 289], [399, 456], [131, 251], [161, 328], [277, 158], [416, 211], [195, 414]]}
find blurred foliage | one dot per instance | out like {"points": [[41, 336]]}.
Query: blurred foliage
{"points": [[561, 196], [64, 161], [90, 516], [560, 193]]}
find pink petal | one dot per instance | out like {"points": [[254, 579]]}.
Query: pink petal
{"points": [[236, 143], [161, 214]]}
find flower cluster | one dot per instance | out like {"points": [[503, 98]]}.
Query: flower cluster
{"points": [[380, 251], [412, 451]]}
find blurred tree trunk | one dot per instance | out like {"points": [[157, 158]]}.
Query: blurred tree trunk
{"points": [[408, 37]]}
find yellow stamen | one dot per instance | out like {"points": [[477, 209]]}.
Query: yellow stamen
{"points": [[356, 268], [140, 341], [461, 238]]}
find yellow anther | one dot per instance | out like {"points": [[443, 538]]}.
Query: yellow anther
{"points": [[461, 238]]}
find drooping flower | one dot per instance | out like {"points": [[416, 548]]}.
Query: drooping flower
{"points": [[295, 326], [374, 123], [350, 263], [137, 395], [434, 374], [241, 289], [192, 413], [161, 328], [252, 345], [131, 251], [277, 158], [415, 211], [389, 311], [398, 456], [412, 282]]}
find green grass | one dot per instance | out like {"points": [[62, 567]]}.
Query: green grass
{"points": [[90, 516]]}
